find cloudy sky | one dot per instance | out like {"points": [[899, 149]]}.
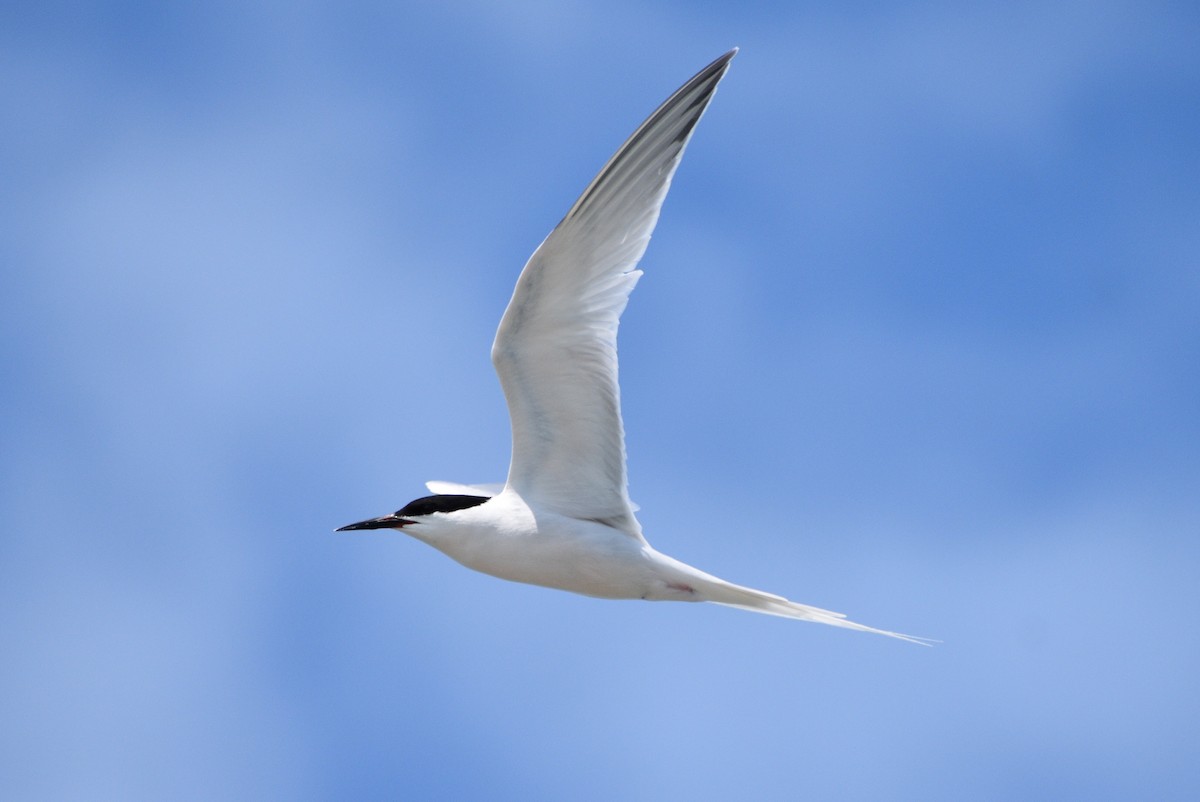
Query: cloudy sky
{"points": [[918, 340]]}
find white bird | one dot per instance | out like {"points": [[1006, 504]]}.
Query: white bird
{"points": [[564, 518]]}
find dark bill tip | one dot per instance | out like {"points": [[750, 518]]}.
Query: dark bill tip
{"points": [[392, 521]]}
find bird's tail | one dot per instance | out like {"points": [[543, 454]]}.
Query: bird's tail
{"points": [[757, 601]]}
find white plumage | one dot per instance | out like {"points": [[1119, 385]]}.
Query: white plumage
{"points": [[564, 519]]}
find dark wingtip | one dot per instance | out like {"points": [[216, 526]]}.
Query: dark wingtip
{"points": [[723, 60], [717, 66]]}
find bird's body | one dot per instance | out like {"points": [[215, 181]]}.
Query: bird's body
{"points": [[507, 538], [564, 519]]}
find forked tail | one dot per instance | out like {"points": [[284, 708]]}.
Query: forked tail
{"points": [[757, 601]]}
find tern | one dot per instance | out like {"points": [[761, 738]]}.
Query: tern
{"points": [[563, 519]]}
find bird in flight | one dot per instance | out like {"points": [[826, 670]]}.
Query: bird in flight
{"points": [[563, 519]]}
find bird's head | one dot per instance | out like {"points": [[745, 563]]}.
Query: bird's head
{"points": [[412, 512]]}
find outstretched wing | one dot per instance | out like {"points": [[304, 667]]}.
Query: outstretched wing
{"points": [[556, 349]]}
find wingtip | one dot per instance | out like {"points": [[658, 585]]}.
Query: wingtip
{"points": [[722, 61], [721, 65], [717, 66]]}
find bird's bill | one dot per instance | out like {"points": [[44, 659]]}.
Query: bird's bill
{"points": [[392, 521]]}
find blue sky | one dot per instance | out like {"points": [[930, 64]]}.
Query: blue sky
{"points": [[918, 341]]}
